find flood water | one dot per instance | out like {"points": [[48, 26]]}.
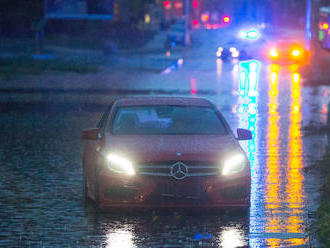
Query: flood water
{"points": [[42, 205]]}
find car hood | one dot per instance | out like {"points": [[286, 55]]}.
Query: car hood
{"points": [[152, 148]]}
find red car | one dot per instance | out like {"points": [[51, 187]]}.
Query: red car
{"points": [[172, 152]]}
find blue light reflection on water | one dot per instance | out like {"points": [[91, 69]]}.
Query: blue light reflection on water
{"points": [[247, 109]]}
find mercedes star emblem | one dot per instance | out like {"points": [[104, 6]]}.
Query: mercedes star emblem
{"points": [[179, 170]]}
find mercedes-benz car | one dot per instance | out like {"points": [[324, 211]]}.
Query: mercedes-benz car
{"points": [[171, 152]]}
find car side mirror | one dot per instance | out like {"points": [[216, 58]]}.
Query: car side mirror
{"points": [[91, 134], [244, 134]]}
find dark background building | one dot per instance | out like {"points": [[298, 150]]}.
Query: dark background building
{"points": [[23, 18]]}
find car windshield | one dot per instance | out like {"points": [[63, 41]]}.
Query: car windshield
{"points": [[175, 120]]}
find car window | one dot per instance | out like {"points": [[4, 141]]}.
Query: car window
{"points": [[167, 120]]}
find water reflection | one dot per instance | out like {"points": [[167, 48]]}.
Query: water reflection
{"points": [[294, 186], [231, 238], [272, 194], [121, 238], [284, 180], [247, 111], [248, 78], [248, 101], [174, 231], [219, 67]]}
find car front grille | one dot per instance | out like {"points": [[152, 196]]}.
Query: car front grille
{"points": [[166, 169], [179, 194]]}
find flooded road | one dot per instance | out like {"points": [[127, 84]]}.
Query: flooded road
{"points": [[42, 204]]}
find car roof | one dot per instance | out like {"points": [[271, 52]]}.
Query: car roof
{"points": [[163, 100]]}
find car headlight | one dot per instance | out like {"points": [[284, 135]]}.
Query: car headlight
{"points": [[120, 164], [234, 164], [253, 35], [219, 52], [235, 54], [295, 52], [233, 49], [243, 34], [273, 53]]}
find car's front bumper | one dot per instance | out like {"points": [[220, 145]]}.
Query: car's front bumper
{"points": [[139, 191]]}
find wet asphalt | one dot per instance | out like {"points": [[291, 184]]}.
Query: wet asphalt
{"points": [[42, 204]]}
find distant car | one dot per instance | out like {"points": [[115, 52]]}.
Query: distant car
{"points": [[251, 39], [172, 152], [231, 52], [249, 34], [287, 51], [242, 48]]}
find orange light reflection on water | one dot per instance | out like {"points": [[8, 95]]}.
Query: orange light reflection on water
{"points": [[272, 167], [294, 186], [278, 190]]}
